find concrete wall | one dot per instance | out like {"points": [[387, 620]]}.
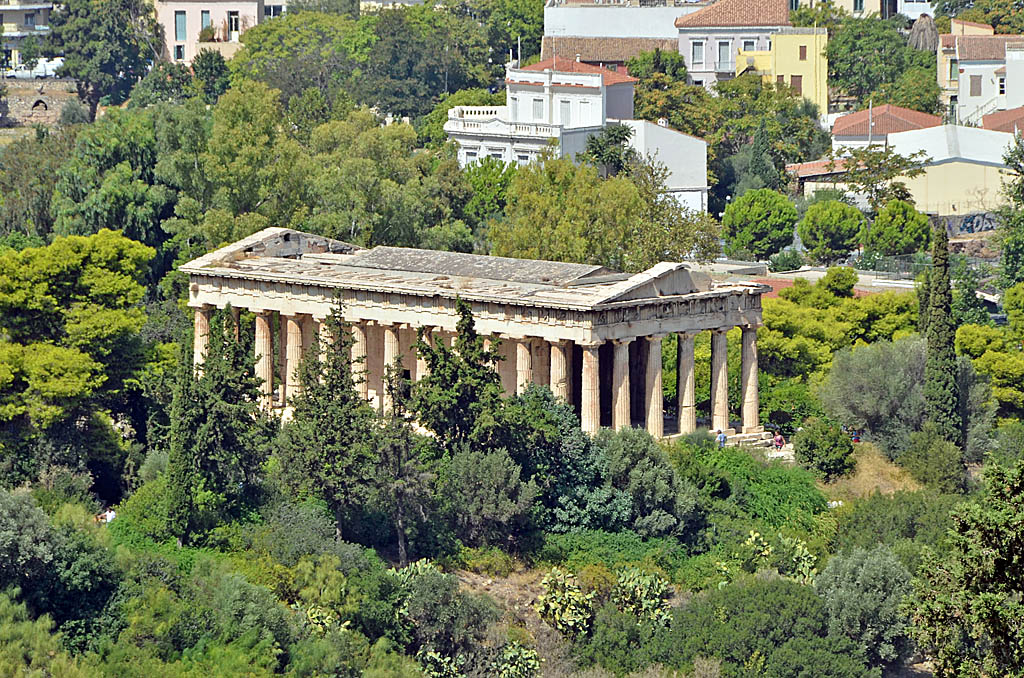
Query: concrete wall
{"points": [[1014, 78], [619, 101], [684, 156], [614, 21], [957, 188], [970, 107]]}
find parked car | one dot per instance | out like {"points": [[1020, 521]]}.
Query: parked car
{"points": [[45, 68]]}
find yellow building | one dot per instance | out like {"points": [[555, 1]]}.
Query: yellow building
{"points": [[795, 57]]}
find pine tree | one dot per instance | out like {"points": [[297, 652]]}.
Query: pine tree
{"points": [[182, 467], [761, 164], [326, 447], [940, 388]]}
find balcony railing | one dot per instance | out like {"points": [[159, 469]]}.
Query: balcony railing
{"points": [[725, 66]]}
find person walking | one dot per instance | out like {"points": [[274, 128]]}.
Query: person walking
{"points": [[779, 440], [721, 438]]}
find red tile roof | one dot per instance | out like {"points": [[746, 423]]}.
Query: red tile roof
{"points": [[1005, 121], [738, 13], [816, 168], [561, 65], [886, 118], [976, 24], [984, 47], [606, 50]]}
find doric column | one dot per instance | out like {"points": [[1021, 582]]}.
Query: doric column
{"points": [[359, 359], [308, 332], [748, 368], [559, 370], [621, 415], [391, 352], [719, 381], [236, 318], [201, 336], [590, 392], [264, 349], [293, 356], [421, 363], [282, 356], [655, 396], [524, 364], [541, 362], [686, 400]]}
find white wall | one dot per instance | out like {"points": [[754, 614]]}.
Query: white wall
{"points": [[614, 21], [686, 157], [586, 108], [967, 105], [1014, 78], [913, 10]]}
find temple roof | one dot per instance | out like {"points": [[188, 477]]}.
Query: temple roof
{"points": [[285, 255]]}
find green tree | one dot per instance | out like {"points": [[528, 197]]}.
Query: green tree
{"points": [[106, 45], [966, 604], [940, 385], [762, 165], [898, 228], [759, 223], [1011, 232], [186, 416], [28, 173], [830, 229], [1003, 15], [864, 53], [30, 49], [933, 461], [610, 151], [821, 445], [878, 173], [916, 88], [646, 64], [210, 71], [863, 590], [490, 180], [167, 81], [823, 15], [349, 8], [326, 448], [511, 24]]}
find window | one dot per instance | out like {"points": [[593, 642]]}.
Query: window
{"points": [[496, 153], [522, 158], [179, 26], [513, 106], [749, 45], [1002, 85], [563, 112], [954, 69], [233, 23], [797, 83], [698, 83], [271, 11], [697, 53], [794, 5], [538, 109], [803, 52], [724, 55], [975, 85], [179, 52], [470, 156], [858, 5], [204, 18], [585, 113], [30, 18], [780, 79]]}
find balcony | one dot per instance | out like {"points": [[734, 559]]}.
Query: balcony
{"points": [[759, 62], [726, 66], [11, 30], [478, 113]]}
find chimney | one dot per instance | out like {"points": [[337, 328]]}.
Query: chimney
{"points": [[577, 58], [662, 122]]}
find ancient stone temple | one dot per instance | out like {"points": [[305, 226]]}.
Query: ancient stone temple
{"points": [[593, 335]]}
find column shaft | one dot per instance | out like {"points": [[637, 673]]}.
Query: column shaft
{"points": [[687, 406], [620, 385], [559, 370], [264, 349], [655, 396], [590, 392], [201, 336], [719, 381], [524, 365], [421, 363], [748, 367], [360, 368], [391, 351], [293, 353]]}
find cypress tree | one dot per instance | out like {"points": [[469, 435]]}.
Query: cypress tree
{"points": [[924, 299], [761, 163], [182, 466], [326, 447], [940, 388]]}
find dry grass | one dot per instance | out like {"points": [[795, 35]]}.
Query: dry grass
{"points": [[874, 472]]}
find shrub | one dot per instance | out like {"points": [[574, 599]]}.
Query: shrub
{"points": [[515, 660], [934, 462], [642, 595], [862, 591], [617, 643], [829, 230], [563, 605], [490, 560], [897, 229], [786, 260], [611, 550], [825, 448], [759, 221]]}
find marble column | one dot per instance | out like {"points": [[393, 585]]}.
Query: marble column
{"points": [[524, 364], [541, 362], [264, 349], [620, 385], [748, 383], [308, 332], [687, 406], [201, 335], [421, 363], [391, 352], [359, 359], [590, 391], [719, 381], [293, 357], [653, 392], [282, 357], [236, 318], [559, 370]]}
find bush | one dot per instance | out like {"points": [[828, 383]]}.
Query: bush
{"points": [[786, 260], [897, 229], [618, 643], [863, 590], [73, 113], [759, 221], [611, 550], [563, 605], [934, 462], [822, 446], [829, 230], [642, 595]]}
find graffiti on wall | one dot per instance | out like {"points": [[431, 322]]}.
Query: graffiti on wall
{"points": [[966, 224]]}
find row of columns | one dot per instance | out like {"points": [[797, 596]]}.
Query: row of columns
{"points": [[297, 332]]}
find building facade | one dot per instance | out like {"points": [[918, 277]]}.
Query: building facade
{"points": [[221, 22], [593, 336], [795, 57], [979, 72], [21, 20], [873, 125]]}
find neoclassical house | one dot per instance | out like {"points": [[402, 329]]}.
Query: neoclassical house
{"points": [[593, 335]]}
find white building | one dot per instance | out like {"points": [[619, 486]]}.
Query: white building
{"points": [[18, 21], [981, 74], [559, 104]]}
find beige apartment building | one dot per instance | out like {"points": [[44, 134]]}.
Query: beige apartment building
{"points": [[592, 335]]}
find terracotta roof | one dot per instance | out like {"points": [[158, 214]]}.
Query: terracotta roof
{"points": [[976, 24], [984, 47], [738, 13], [947, 41], [1000, 71], [816, 168], [1004, 121], [605, 50], [561, 65], [886, 118]]}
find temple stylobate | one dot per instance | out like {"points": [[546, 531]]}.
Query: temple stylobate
{"points": [[592, 335]]}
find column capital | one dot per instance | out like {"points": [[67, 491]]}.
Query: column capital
{"points": [[722, 330], [751, 327], [658, 336], [623, 341], [591, 343]]}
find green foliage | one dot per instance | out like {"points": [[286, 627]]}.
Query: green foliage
{"points": [[210, 74], [167, 81], [864, 53], [759, 222], [786, 404], [830, 230], [104, 57], [825, 448], [878, 173], [642, 595], [515, 660], [510, 23], [940, 386], [786, 260], [609, 150], [563, 605], [897, 229], [915, 88], [610, 550], [965, 606], [824, 15], [645, 64], [967, 281], [490, 180], [29, 648], [863, 590], [934, 461]]}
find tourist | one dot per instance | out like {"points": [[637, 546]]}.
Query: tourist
{"points": [[779, 440], [721, 438]]}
